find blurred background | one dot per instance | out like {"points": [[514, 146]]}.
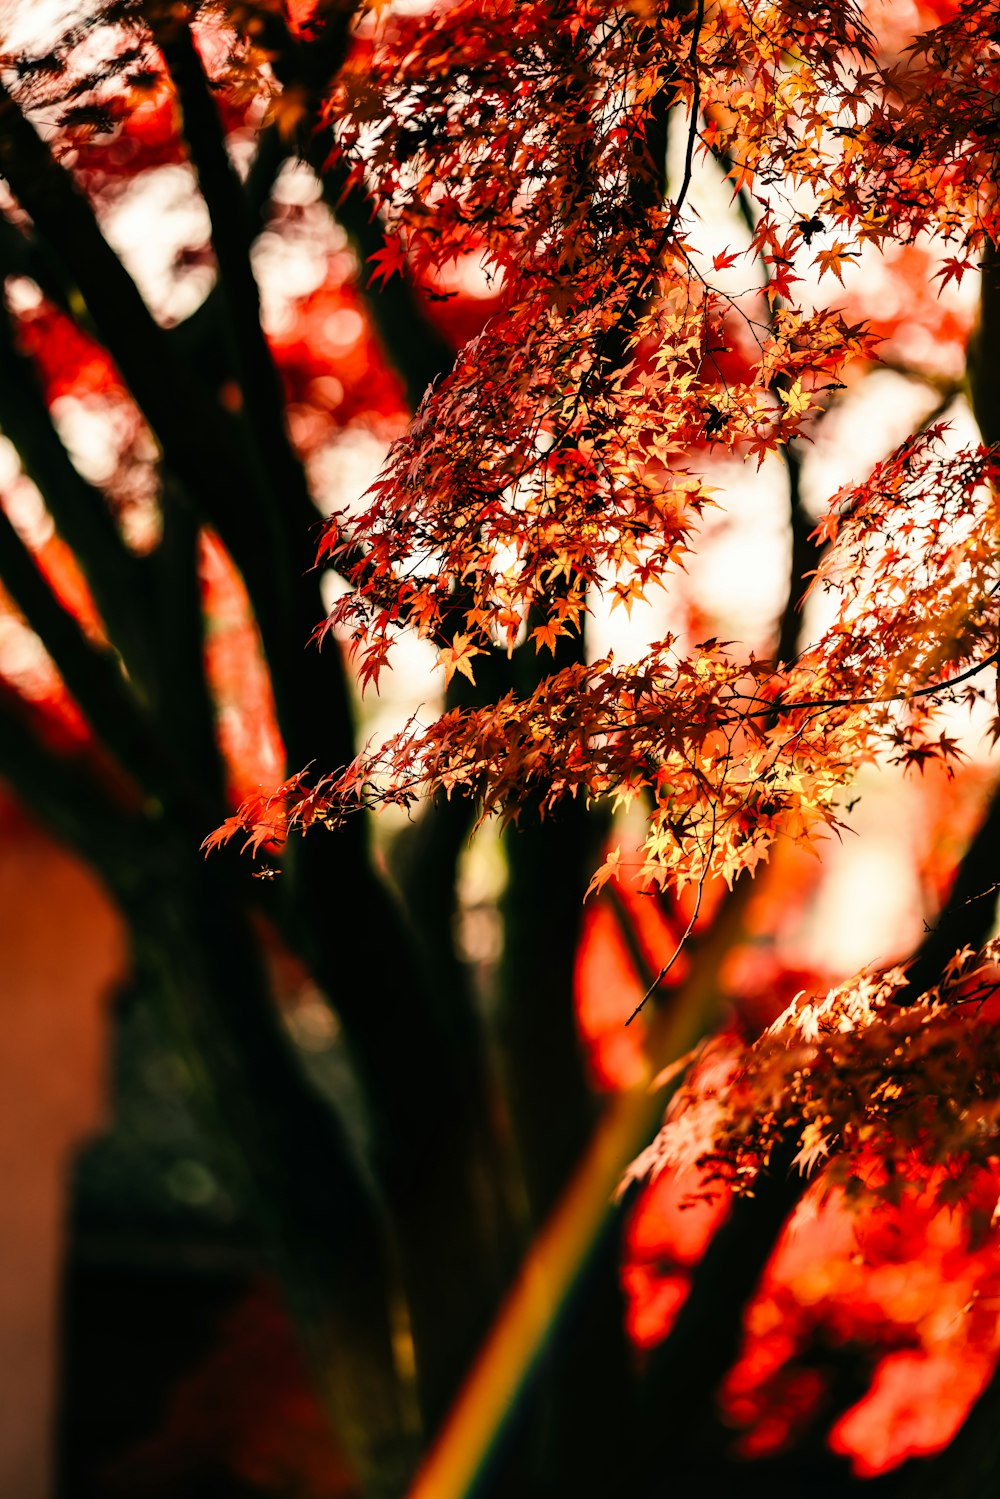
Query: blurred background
{"points": [[177, 1037]]}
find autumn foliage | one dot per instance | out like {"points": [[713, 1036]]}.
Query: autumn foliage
{"points": [[499, 321]]}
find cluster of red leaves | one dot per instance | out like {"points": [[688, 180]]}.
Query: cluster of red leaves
{"points": [[75, 370], [555, 449], [553, 461], [893, 1110], [852, 1075], [668, 1231], [68, 362], [728, 753], [917, 309], [925, 154]]}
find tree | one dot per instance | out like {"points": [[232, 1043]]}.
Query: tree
{"points": [[566, 461]]}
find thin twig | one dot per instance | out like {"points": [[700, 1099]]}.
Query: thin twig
{"points": [[778, 706]]}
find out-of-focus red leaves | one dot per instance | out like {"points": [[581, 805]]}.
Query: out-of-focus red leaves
{"points": [[914, 1284], [915, 1406], [131, 124], [333, 368], [608, 986], [923, 322], [60, 568], [668, 1231], [144, 136], [247, 1412], [628, 936], [897, 24], [34, 691], [911, 1288], [68, 362], [237, 675]]}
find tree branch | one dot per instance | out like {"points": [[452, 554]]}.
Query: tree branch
{"points": [[239, 297], [79, 510], [430, 1127], [967, 916], [91, 672], [64, 792]]}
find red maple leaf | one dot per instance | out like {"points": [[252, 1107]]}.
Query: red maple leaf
{"points": [[389, 261]]}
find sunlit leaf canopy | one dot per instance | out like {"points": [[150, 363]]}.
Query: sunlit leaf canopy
{"points": [[634, 348], [569, 455]]}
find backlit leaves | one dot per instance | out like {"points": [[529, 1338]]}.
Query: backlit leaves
{"points": [[854, 1073], [727, 753], [562, 458]]}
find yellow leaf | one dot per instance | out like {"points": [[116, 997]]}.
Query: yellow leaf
{"points": [[458, 656]]}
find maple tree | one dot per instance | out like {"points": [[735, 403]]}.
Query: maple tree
{"points": [[558, 446]]}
